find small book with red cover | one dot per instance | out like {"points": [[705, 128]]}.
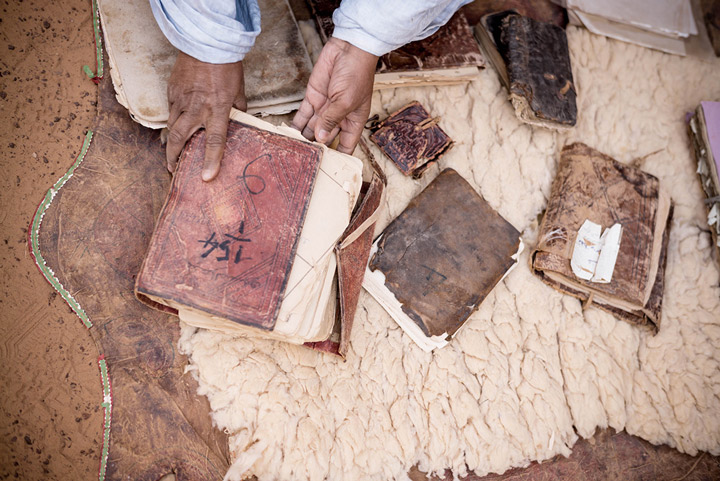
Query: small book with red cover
{"points": [[256, 250]]}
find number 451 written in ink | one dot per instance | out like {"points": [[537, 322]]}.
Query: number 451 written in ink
{"points": [[225, 246]]}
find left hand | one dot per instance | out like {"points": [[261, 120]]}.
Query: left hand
{"points": [[337, 100]]}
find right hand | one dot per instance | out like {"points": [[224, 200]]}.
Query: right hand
{"points": [[200, 95]]}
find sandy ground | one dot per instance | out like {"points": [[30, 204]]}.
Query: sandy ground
{"points": [[47, 104]]}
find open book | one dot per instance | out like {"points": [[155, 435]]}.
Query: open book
{"points": [[277, 68], [255, 250]]}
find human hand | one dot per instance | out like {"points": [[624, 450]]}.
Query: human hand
{"points": [[338, 95], [200, 95]]}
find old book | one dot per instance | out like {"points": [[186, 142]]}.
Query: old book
{"points": [[141, 60], [533, 61], [711, 19], [254, 250], [411, 139], [664, 25], [438, 260], [591, 186], [449, 56], [540, 10], [704, 127]]}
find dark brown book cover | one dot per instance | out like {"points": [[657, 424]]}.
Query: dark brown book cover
{"points": [[533, 60], [226, 247], [711, 17], [444, 254], [592, 186], [452, 46], [411, 138], [540, 10]]}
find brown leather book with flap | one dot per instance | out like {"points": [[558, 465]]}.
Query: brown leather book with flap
{"points": [[411, 139], [439, 259], [256, 250], [591, 186]]}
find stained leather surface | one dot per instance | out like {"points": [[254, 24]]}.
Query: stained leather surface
{"points": [[94, 237], [411, 139]]}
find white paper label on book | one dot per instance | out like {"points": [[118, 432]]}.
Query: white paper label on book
{"points": [[595, 252]]}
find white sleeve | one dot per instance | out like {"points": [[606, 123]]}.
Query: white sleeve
{"points": [[380, 26], [213, 31]]}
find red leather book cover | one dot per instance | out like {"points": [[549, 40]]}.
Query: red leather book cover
{"points": [[226, 247]]}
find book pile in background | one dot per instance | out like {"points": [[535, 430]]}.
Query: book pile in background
{"points": [[141, 59], [449, 56], [603, 238], [664, 25], [704, 130]]}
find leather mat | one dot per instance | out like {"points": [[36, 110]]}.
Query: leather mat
{"points": [[93, 237], [609, 455]]}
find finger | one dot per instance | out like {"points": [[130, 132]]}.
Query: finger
{"points": [[330, 117], [303, 116], [215, 137], [175, 111], [178, 135], [309, 131], [349, 138]]}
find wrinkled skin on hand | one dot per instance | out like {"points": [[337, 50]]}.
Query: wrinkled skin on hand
{"points": [[337, 100], [200, 95]]}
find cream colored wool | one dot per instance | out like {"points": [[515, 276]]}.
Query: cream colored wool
{"points": [[530, 369]]}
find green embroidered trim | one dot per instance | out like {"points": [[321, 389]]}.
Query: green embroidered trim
{"points": [[96, 77], [107, 405], [35, 235]]}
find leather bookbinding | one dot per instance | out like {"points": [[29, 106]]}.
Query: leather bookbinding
{"points": [[202, 256], [592, 186], [452, 46], [411, 139], [444, 253]]}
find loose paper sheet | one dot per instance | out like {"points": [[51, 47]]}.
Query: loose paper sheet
{"points": [[594, 254]]}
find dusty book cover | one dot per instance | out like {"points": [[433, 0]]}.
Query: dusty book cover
{"points": [[533, 61], [411, 139], [592, 186], [452, 46], [444, 254], [226, 247]]}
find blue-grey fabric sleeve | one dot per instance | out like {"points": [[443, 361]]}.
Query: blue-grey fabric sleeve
{"points": [[213, 31]]}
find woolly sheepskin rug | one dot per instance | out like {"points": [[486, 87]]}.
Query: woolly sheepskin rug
{"points": [[531, 371]]}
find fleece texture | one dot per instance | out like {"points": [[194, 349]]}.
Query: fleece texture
{"points": [[530, 371]]}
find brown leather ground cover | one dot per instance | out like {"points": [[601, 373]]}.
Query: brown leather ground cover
{"points": [[50, 390]]}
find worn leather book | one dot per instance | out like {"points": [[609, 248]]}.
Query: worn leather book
{"points": [[254, 250], [449, 56], [533, 61], [704, 129], [592, 186], [711, 17], [411, 138], [142, 59], [438, 260], [540, 10]]}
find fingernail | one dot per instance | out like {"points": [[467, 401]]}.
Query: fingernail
{"points": [[323, 135], [207, 175]]}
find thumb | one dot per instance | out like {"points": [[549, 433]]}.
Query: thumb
{"points": [[331, 116]]}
